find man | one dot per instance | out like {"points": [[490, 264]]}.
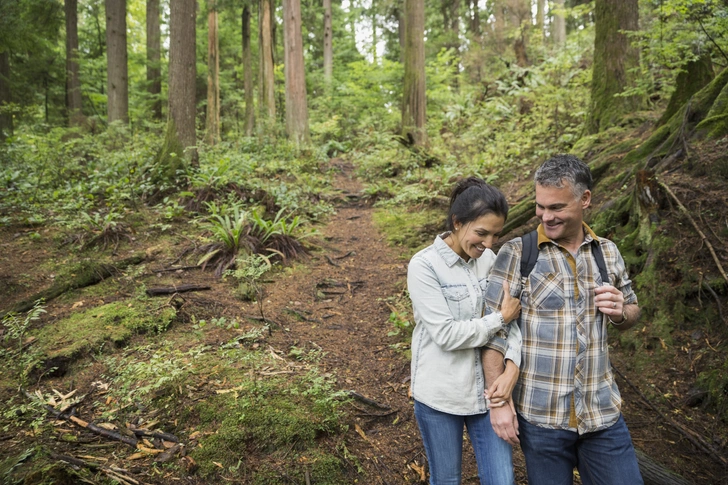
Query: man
{"points": [[566, 397]]}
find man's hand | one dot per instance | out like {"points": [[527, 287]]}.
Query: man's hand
{"points": [[610, 301], [505, 423]]}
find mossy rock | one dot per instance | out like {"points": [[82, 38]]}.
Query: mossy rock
{"points": [[64, 341]]}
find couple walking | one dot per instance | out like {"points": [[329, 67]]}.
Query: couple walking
{"points": [[516, 351]]}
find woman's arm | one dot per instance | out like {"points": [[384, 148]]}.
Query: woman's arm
{"points": [[431, 310]]}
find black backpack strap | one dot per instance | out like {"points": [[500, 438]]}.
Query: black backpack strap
{"points": [[601, 264], [529, 253]]}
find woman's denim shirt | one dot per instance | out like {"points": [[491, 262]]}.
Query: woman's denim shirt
{"points": [[450, 329]]}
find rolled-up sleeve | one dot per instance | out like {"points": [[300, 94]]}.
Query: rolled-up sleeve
{"points": [[431, 310]]}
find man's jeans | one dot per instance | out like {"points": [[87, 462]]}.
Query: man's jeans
{"points": [[442, 435], [603, 457]]}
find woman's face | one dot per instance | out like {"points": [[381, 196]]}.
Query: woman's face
{"points": [[472, 239]]}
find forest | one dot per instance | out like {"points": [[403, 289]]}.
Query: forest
{"points": [[207, 208]]}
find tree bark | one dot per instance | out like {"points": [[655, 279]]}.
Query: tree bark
{"points": [[73, 81], [248, 74], [540, 16], [212, 120], [614, 57], [266, 89], [294, 69], [558, 28], [328, 45], [6, 117], [697, 74], [154, 50], [414, 100], [475, 19], [182, 73], [117, 81]]}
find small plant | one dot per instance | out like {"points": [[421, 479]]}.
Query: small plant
{"points": [[16, 329], [103, 230], [232, 235], [279, 235], [248, 273]]}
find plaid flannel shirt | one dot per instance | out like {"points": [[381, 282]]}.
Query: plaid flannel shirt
{"points": [[565, 357]]}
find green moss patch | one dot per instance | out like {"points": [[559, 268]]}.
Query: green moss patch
{"points": [[88, 331], [411, 229]]}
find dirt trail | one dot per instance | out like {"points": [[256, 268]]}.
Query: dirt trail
{"points": [[351, 328]]}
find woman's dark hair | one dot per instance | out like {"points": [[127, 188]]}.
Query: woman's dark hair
{"points": [[472, 198]]}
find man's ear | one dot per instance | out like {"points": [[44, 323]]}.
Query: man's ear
{"points": [[585, 199]]}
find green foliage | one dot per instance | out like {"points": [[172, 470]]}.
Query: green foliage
{"points": [[19, 363]]}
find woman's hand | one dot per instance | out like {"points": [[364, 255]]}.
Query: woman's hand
{"points": [[500, 390], [505, 423], [510, 307]]}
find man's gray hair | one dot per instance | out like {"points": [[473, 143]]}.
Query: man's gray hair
{"points": [[564, 168]]}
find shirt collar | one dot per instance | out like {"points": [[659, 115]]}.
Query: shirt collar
{"points": [[445, 251], [589, 235]]}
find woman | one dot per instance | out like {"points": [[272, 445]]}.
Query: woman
{"points": [[446, 282]]}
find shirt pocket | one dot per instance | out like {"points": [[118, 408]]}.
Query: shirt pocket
{"points": [[457, 297], [547, 291]]}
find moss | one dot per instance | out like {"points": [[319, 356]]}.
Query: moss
{"points": [[90, 330], [412, 230]]}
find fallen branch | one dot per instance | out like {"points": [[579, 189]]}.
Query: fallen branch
{"points": [[717, 300], [171, 290], [350, 253], [88, 277], [331, 261], [697, 229], [366, 400]]}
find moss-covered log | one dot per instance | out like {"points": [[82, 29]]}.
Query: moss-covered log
{"points": [[655, 474], [90, 274]]}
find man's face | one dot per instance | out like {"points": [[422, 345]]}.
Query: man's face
{"points": [[562, 213]]}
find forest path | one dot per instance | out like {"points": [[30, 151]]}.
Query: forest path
{"points": [[349, 324]]}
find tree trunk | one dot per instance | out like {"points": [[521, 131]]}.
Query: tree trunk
{"points": [[154, 49], [614, 57], [248, 74], [73, 81], [499, 23], [540, 16], [212, 121], [266, 89], [697, 74], [558, 28], [328, 45], [294, 69], [414, 100], [401, 29], [117, 81], [475, 19], [182, 73], [6, 117]]}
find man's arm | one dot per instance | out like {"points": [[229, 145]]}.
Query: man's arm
{"points": [[502, 418]]}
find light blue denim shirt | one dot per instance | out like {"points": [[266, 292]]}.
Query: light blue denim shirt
{"points": [[450, 329]]}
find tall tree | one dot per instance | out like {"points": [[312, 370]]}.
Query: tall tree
{"points": [[540, 16], [328, 44], [414, 101], [248, 74], [558, 27], [212, 121], [154, 50], [474, 18], [295, 73], [614, 58], [73, 81], [6, 117], [266, 85], [182, 72], [117, 81]]}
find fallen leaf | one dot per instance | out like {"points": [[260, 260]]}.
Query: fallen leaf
{"points": [[77, 304], [361, 432]]}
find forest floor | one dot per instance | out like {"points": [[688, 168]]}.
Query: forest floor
{"points": [[348, 323]]}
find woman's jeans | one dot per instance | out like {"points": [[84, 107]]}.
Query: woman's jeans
{"points": [[603, 457], [442, 435]]}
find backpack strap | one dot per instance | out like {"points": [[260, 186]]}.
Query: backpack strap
{"points": [[529, 253], [601, 264], [529, 256]]}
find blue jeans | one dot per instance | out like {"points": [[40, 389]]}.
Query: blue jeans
{"points": [[442, 434], [604, 457]]}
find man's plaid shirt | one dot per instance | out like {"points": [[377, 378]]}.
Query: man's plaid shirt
{"points": [[565, 357]]}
